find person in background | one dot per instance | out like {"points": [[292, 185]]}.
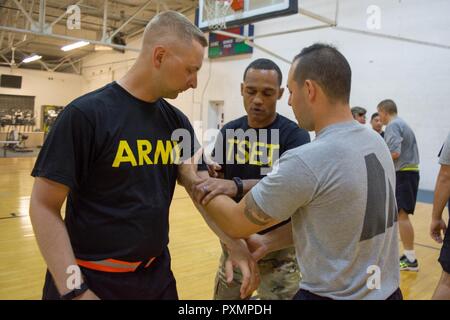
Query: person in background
{"points": [[402, 144], [376, 124], [359, 114]]}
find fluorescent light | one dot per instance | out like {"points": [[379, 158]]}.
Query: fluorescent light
{"points": [[75, 45], [32, 58]]}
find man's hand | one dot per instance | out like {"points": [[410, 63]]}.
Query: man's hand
{"points": [[239, 256], [208, 189], [213, 169], [436, 227], [257, 246]]}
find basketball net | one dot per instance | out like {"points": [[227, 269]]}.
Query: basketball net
{"points": [[216, 13]]}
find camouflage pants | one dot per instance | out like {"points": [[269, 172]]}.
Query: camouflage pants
{"points": [[279, 272]]}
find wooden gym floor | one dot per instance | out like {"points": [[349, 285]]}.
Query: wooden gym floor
{"points": [[195, 249]]}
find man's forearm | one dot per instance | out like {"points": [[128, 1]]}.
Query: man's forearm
{"points": [[54, 244], [222, 210], [238, 220], [248, 184], [223, 236], [441, 194], [280, 238]]}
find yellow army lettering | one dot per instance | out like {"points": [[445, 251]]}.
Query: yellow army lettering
{"points": [[257, 150], [166, 152]]}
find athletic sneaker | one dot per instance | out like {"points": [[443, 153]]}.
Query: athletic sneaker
{"points": [[406, 265]]}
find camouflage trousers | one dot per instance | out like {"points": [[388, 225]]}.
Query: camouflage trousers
{"points": [[279, 272]]}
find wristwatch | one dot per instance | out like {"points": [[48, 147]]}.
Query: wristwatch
{"points": [[75, 292], [240, 187]]}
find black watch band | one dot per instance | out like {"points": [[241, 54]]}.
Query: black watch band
{"points": [[240, 187], [75, 292]]}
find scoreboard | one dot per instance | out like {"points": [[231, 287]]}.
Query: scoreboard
{"points": [[224, 46]]}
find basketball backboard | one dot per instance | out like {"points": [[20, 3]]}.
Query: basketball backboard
{"points": [[222, 14]]}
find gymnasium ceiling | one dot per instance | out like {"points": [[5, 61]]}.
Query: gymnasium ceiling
{"points": [[22, 39]]}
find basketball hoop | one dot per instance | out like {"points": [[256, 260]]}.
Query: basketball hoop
{"points": [[216, 13]]}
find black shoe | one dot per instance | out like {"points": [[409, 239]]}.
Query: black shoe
{"points": [[406, 265]]}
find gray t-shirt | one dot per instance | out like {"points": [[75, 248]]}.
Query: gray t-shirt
{"points": [[339, 191], [401, 139], [445, 153]]}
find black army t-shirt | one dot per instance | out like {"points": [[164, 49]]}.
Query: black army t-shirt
{"points": [[117, 155], [245, 157]]}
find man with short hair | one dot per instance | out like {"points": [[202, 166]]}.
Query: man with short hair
{"points": [[265, 135], [359, 114], [402, 144], [115, 155], [338, 191], [438, 228], [376, 124]]}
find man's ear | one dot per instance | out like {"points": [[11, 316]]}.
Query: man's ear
{"points": [[242, 89], [280, 94], [311, 88], [159, 54]]}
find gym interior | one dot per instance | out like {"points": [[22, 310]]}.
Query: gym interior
{"points": [[52, 52]]}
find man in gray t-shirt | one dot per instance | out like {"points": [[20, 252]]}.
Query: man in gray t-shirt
{"points": [[402, 144], [438, 226], [444, 159], [338, 190], [342, 205]]}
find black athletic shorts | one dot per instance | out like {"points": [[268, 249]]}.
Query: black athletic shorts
{"points": [[307, 295], [153, 283], [406, 189], [444, 257]]}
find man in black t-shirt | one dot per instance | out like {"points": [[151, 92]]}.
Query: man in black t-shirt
{"points": [[246, 148], [116, 154]]}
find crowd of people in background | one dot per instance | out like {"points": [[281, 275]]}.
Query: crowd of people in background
{"points": [[402, 144]]}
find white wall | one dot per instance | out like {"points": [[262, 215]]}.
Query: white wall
{"points": [[53, 88], [415, 76], [103, 67]]}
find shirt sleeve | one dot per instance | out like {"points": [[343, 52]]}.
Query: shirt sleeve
{"points": [[68, 149], [393, 138], [195, 145], [445, 153], [290, 186]]}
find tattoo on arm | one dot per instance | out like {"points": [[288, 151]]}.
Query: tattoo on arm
{"points": [[254, 213]]}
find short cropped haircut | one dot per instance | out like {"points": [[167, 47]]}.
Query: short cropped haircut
{"points": [[265, 64], [360, 111], [376, 114], [324, 64], [388, 106], [172, 23]]}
